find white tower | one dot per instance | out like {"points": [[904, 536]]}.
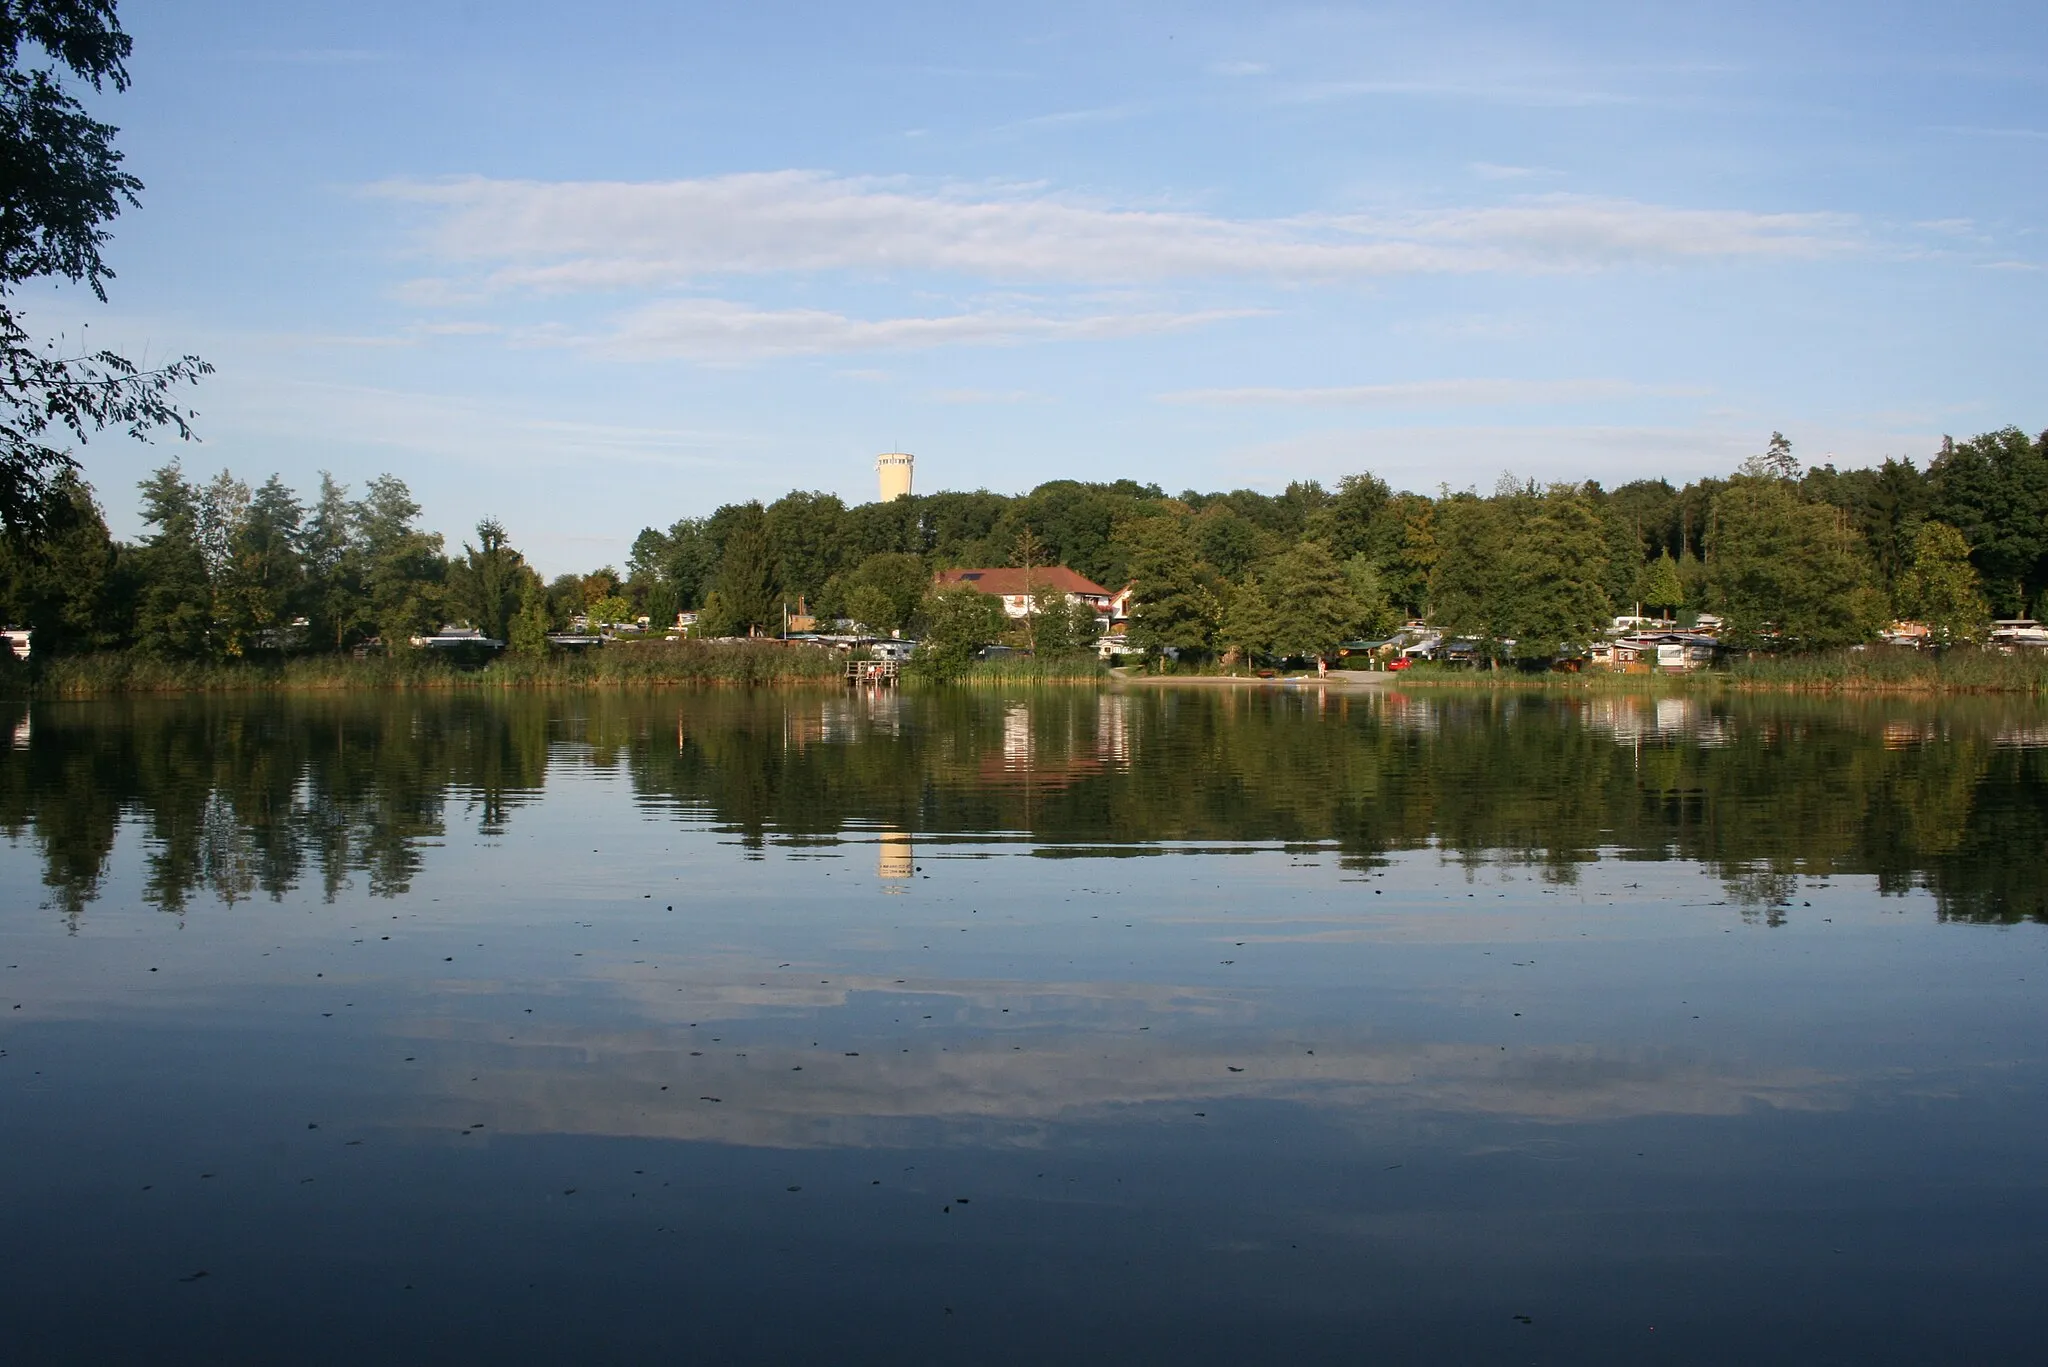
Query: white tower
{"points": [[892, 472]]}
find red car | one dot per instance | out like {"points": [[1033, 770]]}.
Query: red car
{"points": [[1403, 663]]}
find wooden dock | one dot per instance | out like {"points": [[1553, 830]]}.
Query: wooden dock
{"points": [[872, 673]]}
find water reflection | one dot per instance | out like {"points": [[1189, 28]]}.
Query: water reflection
{"points": [[1224, 1026], [253, 797]]}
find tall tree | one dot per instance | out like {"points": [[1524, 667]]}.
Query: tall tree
{"points": [[1785, 573], [1658, 586], [746, 574], [485, 585], [259, 585], [1470, 583], [1171, 608], [1556, 562], [1247, 627], [1941, 588], [1994, 490], [61, 183], [334, 601], [174, 614], [67, 584], [403, 569], [1312, 607]]}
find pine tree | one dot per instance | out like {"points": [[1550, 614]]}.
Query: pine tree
{"points": [[174, 617], [1658, 585], [746, 575]]}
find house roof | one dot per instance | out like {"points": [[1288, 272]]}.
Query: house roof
{"points": [[1008, 581]]}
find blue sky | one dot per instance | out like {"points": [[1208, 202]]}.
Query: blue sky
{"points": [[587, 268]]}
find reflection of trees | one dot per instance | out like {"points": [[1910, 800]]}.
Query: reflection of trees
{"points": [[1763, 791], [245, 795], [258, 795]]}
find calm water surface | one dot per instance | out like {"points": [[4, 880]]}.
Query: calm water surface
{"points": [[1157, 1026]]}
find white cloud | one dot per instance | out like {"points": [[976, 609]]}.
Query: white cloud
{"points": [[609, 235], [718, 330], [1490, 170], [979, 396], [1434, 393]]}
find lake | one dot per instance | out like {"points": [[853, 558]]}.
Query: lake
{"points": [[1183, 1025]]}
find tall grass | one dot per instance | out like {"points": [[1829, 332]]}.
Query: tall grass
{"points": [[1889, 669], [637, 665], [1028, 669], [1878, 669]]}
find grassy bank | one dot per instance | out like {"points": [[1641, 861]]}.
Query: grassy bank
{"points": [[640, 665], [1876, 670]]}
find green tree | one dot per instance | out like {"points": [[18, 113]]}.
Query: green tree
{"points": [[716, 620], [1556, 561], [529, 629], [1470, 584], [1247, 627], [404, 572], [1344, 523], [1171, 607], [883, 592], [1312, 607], [62, 183], [610, 611], [746, 575], [1377, 616], [871, 609], [1061, 626], [1941, 588], [486, 585], [174, 614], [1994, 490], [1658, 586], [258, 587], [958, 623], [335, 604], [66, 584], [1787, 574], [805, 537]]}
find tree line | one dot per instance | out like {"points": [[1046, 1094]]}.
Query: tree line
{"points": [[1790, 558]]}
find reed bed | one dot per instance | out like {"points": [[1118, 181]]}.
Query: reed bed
{"points": [[1878, 669], [746, 664], [1015, 669]]}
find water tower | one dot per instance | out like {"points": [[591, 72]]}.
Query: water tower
{"points": [[892, 472]]}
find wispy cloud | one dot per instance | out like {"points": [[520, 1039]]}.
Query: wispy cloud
{"points": [[2032, 134], [719, 330], [613, 235], [1435, 393], [1478, 91], [981, 396], [1489, 170]]}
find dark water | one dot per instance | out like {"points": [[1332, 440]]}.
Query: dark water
{"points": [[1175, 1027]]}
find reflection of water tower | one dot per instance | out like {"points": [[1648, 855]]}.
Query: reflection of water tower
{"points": [[892, 472], [893, 861]]}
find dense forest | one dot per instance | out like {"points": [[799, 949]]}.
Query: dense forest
{"points": [[1790, 558]]}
